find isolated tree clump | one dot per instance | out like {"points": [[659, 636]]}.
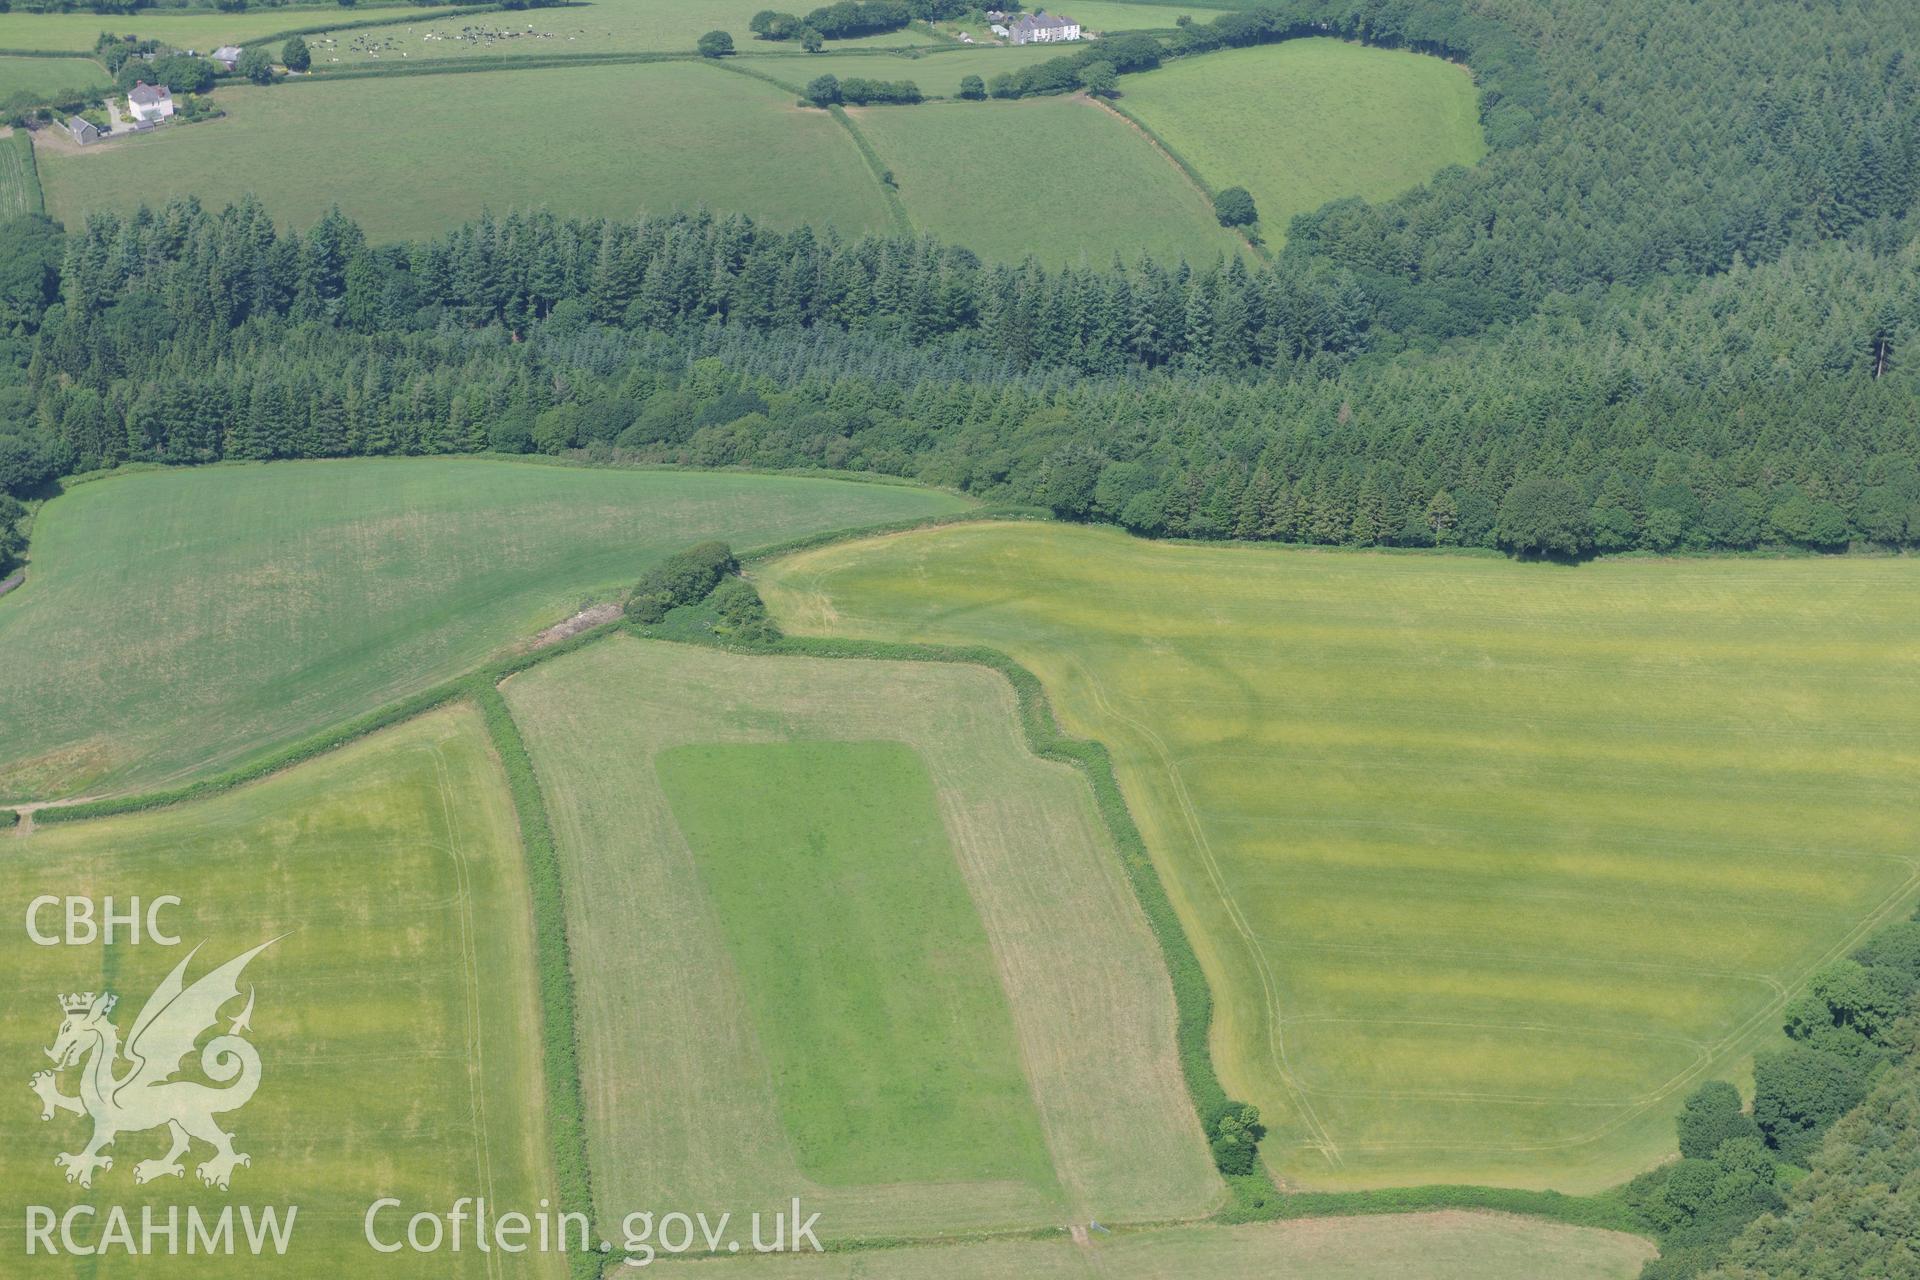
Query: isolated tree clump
{"points": [[255, 66], [1234, 208], [1544, 515], [1233, 1133], [715, 44], [685, 577], [294, 54], [973, 88]]}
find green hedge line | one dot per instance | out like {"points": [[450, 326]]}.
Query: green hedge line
{"points": [[464, 66], [553, 960], [1604, 1211], [728, 64], [1253, 1193], [895, 206], [1185, 165], [273, 762]]}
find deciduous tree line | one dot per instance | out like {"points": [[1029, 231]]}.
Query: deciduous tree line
{"points": [[1842, 1099]]}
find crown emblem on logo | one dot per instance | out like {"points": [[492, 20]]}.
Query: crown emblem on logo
{"points": [[82, 1001]]}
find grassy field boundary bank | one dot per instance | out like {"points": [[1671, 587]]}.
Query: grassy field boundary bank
{"points": [[1185, 166], [553, 961], [881, 174], [273, 762], [740, 70], [32, 197]]}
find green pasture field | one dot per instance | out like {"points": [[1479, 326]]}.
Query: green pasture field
{"points": [[1333, 119], [175, 622], [890, 1041], [50, 75], [202, 30], [606, 26], [1488, 863], [19, 187], [390, 1018], [610, 141], [937, 72], [1115, 15], [1423, 1246], [701, 1055], [1057, 178]]}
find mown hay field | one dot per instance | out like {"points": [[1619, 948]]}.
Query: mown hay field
{"points": [[1419, 1246], [1487, 862], [1057, 178], [390, 1018], [705, 1023], [1332, 120], [175, 622], [413, 155], [19, 185]]}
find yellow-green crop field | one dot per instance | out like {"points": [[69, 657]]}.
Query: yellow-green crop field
{"points": [[390, 1017], [1487, 862]]}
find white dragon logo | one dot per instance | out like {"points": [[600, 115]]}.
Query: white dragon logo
{"points": [[146, 1095]]}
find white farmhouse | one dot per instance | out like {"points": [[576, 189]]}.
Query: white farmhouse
{"points": [[149, 102], [1044, 28]]}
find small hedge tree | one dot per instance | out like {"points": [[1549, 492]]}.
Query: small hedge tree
{"points": [[294, 54], [255, 66], [715, 44], [1234, 207], [1099, 79]]}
